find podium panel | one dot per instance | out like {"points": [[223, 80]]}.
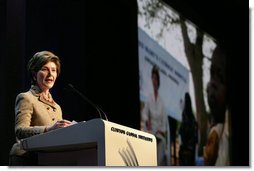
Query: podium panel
{"points": [[95, 142]]}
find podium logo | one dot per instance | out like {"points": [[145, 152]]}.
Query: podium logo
{"points": [[128, 155]]}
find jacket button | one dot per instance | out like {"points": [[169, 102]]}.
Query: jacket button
{"points": [[48, 108], [53, 119]]}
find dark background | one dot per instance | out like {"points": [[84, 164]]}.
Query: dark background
{"points": [[97, 44]]}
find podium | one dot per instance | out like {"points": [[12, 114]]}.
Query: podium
{"points": [[94, 143]]}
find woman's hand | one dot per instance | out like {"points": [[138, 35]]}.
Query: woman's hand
{"points": [[58, 124]]}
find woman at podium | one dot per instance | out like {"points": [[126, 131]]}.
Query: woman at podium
{"points": [[36, 111]]}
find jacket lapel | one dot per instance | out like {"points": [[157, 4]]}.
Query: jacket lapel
{"points": [[37, 92], [50, 103]]}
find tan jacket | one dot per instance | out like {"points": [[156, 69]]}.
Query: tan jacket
{"points": [[32, 114]]}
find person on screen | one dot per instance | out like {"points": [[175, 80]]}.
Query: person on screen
{"points": [[216, 151], [155, 120], [189, 135], [35, 110]]}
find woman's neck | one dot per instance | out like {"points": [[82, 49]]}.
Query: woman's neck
{"points": [[45, 91]]}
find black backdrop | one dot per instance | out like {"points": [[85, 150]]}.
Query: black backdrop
{"points": [[98, 52], [97, 43]]}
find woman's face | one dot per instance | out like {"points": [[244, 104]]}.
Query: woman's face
{"points": [[46, 76]]}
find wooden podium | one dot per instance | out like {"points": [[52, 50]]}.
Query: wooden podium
{"points": [[94, 143]]}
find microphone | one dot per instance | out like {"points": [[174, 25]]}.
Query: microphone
{"points": [[99, 110]]}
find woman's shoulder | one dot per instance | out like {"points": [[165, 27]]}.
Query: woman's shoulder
{"points": [[24, 95]]}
